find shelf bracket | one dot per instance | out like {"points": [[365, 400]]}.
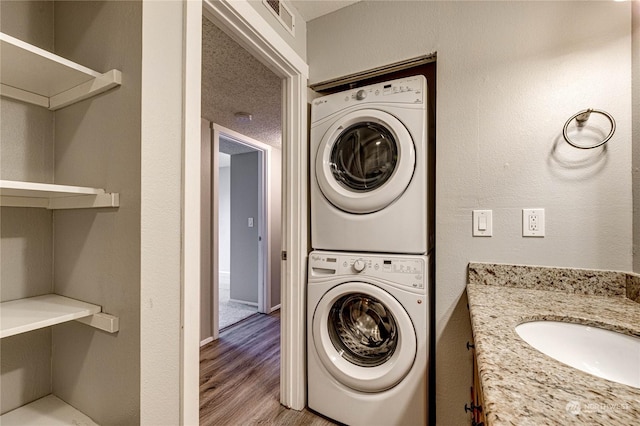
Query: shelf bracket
{"points": [[106, 81], [23, 95], [102, 321], [108, 199]]}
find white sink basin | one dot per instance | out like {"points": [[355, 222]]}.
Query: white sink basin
{"points": [[603, 353]]}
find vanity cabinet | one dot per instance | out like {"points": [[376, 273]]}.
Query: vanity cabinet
{"points": [[477, 401], [75, 261]]}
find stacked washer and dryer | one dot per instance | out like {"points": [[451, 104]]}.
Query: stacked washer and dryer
{"points": [[368, 276]]}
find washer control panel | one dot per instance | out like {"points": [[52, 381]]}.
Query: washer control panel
{"points": [[409, 90], [407, 271]]}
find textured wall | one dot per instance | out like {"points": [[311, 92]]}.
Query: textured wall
{"points": [[234, 81], [97, 252], [26, 235], [509, 75]]}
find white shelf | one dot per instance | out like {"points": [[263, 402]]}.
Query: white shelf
{"points": [[51, 196], [47, 411], [32, 313], [34, 75]]}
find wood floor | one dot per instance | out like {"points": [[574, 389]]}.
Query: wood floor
{"points": [[240, 378]]}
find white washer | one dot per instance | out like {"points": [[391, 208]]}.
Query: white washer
{"points": [[369, 159], [367, 338]]}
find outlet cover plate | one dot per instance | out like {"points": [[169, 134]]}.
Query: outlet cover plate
{"points": [[533, 222]]}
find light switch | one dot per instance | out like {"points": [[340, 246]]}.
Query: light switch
{"points": [[250, 222], [482, 223]]}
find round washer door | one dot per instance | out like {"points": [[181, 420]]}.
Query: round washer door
{"points": [[365, 161], [363, 337]]}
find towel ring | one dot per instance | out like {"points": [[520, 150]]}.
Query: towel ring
{"points": [[581, 119]]}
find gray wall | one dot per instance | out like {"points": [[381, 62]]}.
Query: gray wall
{"points": [[509, 75], [276, 224], [97, 252], [224, 219], [97, 143], [244, 240], [26, 245]]}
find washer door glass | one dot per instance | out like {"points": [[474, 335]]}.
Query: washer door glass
{"points": [[365, 161], [364, 157], [363, 337], [363, 330]]}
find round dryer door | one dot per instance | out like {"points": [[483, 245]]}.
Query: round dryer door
{"points": [[365, 161], [364, 337]]}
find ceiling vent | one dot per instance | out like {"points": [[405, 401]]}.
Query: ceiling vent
{"points": [[282, 12]]}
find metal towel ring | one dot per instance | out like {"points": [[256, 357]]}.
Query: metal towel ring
{"points": [[581, 119]]}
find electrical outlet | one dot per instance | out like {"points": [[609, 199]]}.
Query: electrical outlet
{"points": [[533, 222]]}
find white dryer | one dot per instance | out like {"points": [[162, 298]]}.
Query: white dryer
{"points": [[367, 338], [368, 161]]}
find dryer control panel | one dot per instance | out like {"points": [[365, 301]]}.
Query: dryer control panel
{"points": [[409, 91], [405, 271]]}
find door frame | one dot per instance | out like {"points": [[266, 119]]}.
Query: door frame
{"points": [[246, 26], [264, 214]]}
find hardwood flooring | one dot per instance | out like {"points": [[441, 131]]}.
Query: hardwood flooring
{"points": [[240, 378]]}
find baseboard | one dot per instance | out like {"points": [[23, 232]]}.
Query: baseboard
{"points": [[244, 302], [205, 341], [275, 308]]}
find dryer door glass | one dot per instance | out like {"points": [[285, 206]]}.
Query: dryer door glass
{"points": [[364, 157], [363, 330]]}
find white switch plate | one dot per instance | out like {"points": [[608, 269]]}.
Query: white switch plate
{"points": [[482, 223], [533, 222], [250, 222]]}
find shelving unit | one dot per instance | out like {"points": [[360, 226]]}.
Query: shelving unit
{"points": [[38, 77], [32, 313], [51, 196], [34, 75], [47, 411]]}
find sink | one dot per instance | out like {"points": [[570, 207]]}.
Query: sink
{"points": [[603, 353]]}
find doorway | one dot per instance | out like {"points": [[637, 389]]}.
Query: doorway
{"points": [[245, 217], [241, 201], [246, 26]]}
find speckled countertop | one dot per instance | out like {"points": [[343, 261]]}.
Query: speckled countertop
{"points": [[522, 386]]}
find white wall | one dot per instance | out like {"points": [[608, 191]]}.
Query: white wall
{"points": [[508, 76], [161, 213], [297, 41], [636, 134]]}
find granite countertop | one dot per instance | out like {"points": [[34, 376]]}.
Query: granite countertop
{"points": [[522, 386]]}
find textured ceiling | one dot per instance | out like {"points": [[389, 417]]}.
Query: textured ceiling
{"points": [[234, 81]]}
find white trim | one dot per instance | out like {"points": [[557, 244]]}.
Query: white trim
{"points": [[244, 302], [191, 235], [275, 308], [206, 341], [244, 23]]}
